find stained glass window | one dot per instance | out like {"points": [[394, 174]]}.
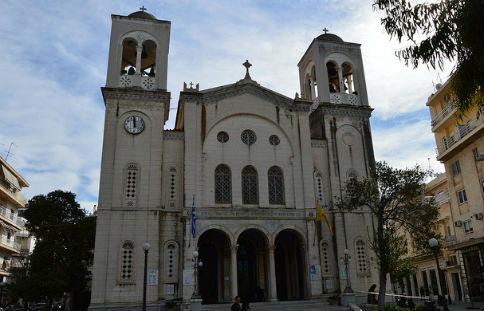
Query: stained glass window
{"points": [[248, 137], [223, 184], [276, 185], [250, 191]]}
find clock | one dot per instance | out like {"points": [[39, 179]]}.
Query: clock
{"points": [[134, 125]]}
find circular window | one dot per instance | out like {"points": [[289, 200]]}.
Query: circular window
{"points": [[274, 140], [248, 137], [223, 137]]}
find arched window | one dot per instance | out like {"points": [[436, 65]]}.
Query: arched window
{"points": [[171, 262], [333, 77], [347, 71], [132, 176], [276, 185], [325, 257], [127, 268], [250, 189], [361, 256], [319, 187], [148, 58], [128, 63], [223, 184]]}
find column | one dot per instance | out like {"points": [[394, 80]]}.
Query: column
{"points": [[272, 295], [341, 82], [233, 270], [139, 49]]}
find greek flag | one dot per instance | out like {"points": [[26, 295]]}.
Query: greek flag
{"points": [[193, 217]]}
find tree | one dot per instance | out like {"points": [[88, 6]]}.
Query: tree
{"points": [[64, 249], [439, 31], [395, 197]]}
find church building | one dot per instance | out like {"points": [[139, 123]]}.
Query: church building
{"points": [[251, 165]]}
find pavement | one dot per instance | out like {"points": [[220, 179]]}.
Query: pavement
{"points": [[318, 305]]}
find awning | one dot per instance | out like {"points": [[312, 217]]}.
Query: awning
{"points": [[10, 177]]}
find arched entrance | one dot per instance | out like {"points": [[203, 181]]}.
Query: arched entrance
{"points": [[214, 250], [251, 265], [289, 261]]}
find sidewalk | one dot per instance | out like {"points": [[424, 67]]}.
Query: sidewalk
{"points": [[464, 306]]}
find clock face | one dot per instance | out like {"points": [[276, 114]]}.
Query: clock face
{"points": [[134, 124]]}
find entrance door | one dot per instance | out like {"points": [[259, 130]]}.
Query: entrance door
{"points": [[214, 250], [289, 261], [456, 285], [251, 265]]}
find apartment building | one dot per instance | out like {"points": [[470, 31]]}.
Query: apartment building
{"points": [[15, 240], [460, 146]]}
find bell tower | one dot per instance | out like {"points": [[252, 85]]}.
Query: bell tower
{"points": [[331, 76], [130, 196], [138, 52]]}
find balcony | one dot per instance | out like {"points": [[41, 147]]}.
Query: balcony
{"points": [[344, 99], [443, 114], [145, 82], [441, 197], [451, 143], [10, 244]]}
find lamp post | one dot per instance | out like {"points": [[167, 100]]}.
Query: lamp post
{"points": [[196, 262], [434, 245], [146, 248], [346, 260]]}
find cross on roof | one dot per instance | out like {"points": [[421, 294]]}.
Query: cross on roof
{"points": [[247, 65], [325, 30], [143, 8]]}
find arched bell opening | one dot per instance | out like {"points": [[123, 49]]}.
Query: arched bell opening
{"points": [[148, 58], [333, 77], [348, 79], [128, 60], [289, 260], [252, 268], [214, 252]]}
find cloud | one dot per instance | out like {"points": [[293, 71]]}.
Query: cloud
{"points": [[54, 59]]}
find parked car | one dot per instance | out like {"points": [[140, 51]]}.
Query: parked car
{"points": [[40, 306]]}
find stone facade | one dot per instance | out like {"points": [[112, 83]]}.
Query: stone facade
{"points": [[252, 165]]}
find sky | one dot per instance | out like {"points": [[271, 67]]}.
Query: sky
{"points": [[54, 61]]}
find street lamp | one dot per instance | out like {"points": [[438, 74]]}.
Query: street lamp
{"points": [[196, 262], [346, 260], [434, 245], [146, 248]]}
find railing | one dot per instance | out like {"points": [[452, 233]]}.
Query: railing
{"points": [[441, 197], [343, 98], [461, 132], [439, 117], [145, 82], [10, 243], [449, 238]]}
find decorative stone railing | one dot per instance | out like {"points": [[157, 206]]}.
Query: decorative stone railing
{"points": [[343, 98], [145, 82]]}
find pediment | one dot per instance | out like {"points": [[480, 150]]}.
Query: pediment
{"points": [[247, 86]]}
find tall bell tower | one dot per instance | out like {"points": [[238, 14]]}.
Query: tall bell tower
{"points": [[332, 77], [130, 197]]}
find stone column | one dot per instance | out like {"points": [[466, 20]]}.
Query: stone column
{"points": [[272, 296], [233, 270], [341, 82], [139, 49]]}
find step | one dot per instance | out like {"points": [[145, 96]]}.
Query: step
{"points": [[294, 305]]}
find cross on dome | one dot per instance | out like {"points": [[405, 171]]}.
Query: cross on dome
{"points": [[247, 65], [325, 30], [142, 8]]}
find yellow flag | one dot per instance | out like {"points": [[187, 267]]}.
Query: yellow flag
{"points": [[321, 216]]}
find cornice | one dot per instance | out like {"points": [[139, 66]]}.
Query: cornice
{"points": [[135, 94], [346, 110]]}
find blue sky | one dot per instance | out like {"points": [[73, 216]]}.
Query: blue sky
{"points": [[54, 58]]}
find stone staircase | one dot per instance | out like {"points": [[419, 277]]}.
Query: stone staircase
{"points": [[296, 305]]}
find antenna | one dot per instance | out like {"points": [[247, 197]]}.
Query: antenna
{"points": [[8, 152]]}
